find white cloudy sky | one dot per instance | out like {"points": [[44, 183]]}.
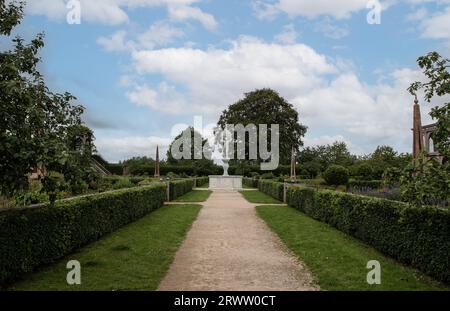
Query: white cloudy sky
{"points": [[142, 66]]}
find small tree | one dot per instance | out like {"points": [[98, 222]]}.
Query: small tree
{"points": [[336, 175], [36, 125]]}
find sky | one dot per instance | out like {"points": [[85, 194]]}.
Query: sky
{"points": [[140, 67]]}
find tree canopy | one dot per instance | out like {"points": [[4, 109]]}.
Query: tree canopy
{"points": [[265, 106], [37, 127]]}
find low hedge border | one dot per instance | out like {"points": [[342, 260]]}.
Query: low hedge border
{"points": [[250, 182], [179, 187], [201, 181], [416, 236], [31, 237], [274, 189]]}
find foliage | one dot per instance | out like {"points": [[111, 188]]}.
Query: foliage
{"points": [[36, 125], [145, 247], [426, 182], [36, 236], [414, 236], [371, 184], [364, 171], [179, 187], [250, 182], [123, 183], [336, 175], [274, 189], [266, 106], [324, 156], [435, 68], [391, 176], [336, 260]]}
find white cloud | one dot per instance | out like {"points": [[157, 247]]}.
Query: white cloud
{"points": [[437, 26], [418, 15], [113, 12], [115, 42], [164, 98], [118, 149], [331, 30], [185, 12], [329, 140], [288, 36], [310, 9], [214, 78], [159, 34]]}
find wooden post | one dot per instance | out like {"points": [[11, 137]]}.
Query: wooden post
{"points": [[285, 192]]}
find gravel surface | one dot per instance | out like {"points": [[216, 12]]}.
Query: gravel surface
{"points": [[230, 248]]}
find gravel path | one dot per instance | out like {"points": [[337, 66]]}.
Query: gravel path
{"points": [[230, 248]]}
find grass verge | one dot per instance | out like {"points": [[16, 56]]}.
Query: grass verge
{"points": [[195, 196], [135, 257], [338, 261], [259, 197]]}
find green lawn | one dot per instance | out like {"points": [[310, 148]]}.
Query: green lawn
{"points": [[259, 197], [195, 196], [135, 257], [338, 261]]}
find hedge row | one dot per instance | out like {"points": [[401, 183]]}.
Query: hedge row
{"points": [[201, 181], [179, 187], [416, 236], [36, 236], [250, 182], [274, 189], [372, 184]]}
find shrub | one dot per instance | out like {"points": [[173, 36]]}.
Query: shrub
{"points": [[32, 237], [274, 189], [267, 176], [123, 183], [364, 171], [336, 175], [416, 236], [201, 181], [179, 187], [250, 182]]}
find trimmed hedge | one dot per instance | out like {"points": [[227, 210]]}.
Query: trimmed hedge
{"points": [[179, 187], [250, 182], [201, 181], [416, 236], [40, 235], [274, 189], [372, 184]]}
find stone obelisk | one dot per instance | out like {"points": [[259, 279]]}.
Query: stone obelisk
{"points": [[293, 162], [417, 130], [157, 162]]}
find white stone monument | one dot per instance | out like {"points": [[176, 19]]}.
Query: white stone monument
{"points": [[225, 182]]}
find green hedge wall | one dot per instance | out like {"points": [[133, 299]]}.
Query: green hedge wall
{"points": [[32, 237], [179, 187], [274, 189], [416, 236], [250, 182], [201, 181]]}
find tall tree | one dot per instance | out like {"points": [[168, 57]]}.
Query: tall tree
{"points": [[35, 124], [265, 106]]}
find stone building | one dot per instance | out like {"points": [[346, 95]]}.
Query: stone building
{"points": [[423, 137]]}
